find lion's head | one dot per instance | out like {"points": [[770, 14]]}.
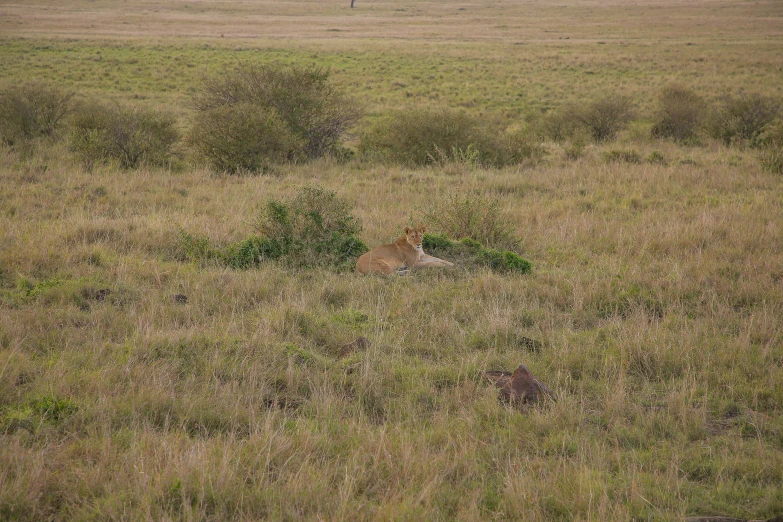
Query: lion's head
{"points": [[415, 235]]}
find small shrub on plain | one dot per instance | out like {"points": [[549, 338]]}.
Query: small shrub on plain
{"points": [[130, 136], [770, 141], [604, 117], [680, 114], [742, 118], [310, 115], [469, 253], [621, 156], [418, 137], [32, 111]]}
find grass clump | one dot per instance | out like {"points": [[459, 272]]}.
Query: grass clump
{"points": [[419, 137], [621, 156], [315, 228], [31, 111], [129, 136], [257, 115], [679, 115], [742, 118], [472, 254], [770, 141], [474, 217]]}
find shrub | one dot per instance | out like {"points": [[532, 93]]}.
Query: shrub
{"points": [[621, 156], [741, 118], [417, 137], [315, 228], [301, 99], [472, 216], [558, 125], [243, 137], [130, 136], [679, 115], [469, 253], [32, 110], [604, 117]]}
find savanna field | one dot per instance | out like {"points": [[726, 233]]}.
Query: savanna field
{"points": [[177, 341]]}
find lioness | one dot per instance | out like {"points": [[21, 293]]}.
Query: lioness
{"points": [[405, 252]]}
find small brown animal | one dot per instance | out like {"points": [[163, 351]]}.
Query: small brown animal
{"points": [[360, 343], [519, 387], [405, 252]]}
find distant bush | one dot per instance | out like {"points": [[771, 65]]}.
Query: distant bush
{"points": [[131, 136], [621, 156], [470, 216], [604, 117], [315, 228], [243, 138], [770, 141], [737, 119], [679, 115], [558, 125], [469, 253], [656, 158], [31, 111], [417, 137], [307, 112]]}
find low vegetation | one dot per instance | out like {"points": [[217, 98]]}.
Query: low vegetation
{"points": [[32, 110], [181, 344]]}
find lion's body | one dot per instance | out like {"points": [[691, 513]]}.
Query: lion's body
{"points": [[405, 252]]}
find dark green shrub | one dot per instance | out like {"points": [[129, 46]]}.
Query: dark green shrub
{"points": [[472, 216], [621, 156], [31, 111], [470, 254], [604, 117], [679, 115], [299, 100], [416, 137], [242, 138], [315, 228], [738, 119], [130, 136]]}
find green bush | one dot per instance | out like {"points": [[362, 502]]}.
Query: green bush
{"points": [[315, 228], [243, 137], [31, 111], [742, 118], [130, 136], [604, 117], [679, 115], [470, 254], [419, 136], [307, 112], [558, 125], [472, 216]]}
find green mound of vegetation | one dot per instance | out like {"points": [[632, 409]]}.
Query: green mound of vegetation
{"points": [[315, 228], [469, 253]]}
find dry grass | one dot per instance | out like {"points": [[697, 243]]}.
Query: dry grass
{"points": [[655, 300]]}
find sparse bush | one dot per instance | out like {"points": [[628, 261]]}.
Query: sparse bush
{"points": [[310, 115], [604, 117], [130, 136], [621, 156], [558, 125], [770, 141], [31, 111], [738, 119], [472, 216], [315, 228], [679, 115], [656, 158], [469, 253], [417, 137], [243, 137]]}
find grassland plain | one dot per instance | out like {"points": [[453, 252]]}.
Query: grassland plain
{"points": [[657, 293]]}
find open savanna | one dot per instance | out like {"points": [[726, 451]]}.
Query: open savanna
{"points": [[656, 297]]}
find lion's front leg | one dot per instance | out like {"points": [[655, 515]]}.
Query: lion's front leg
{"points": [[428, 260]]}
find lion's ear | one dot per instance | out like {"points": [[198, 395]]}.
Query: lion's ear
{"points": [[407, 230], [422, 229]]}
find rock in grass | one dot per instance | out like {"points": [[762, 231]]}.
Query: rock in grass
{"points": [[519, 387]]}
